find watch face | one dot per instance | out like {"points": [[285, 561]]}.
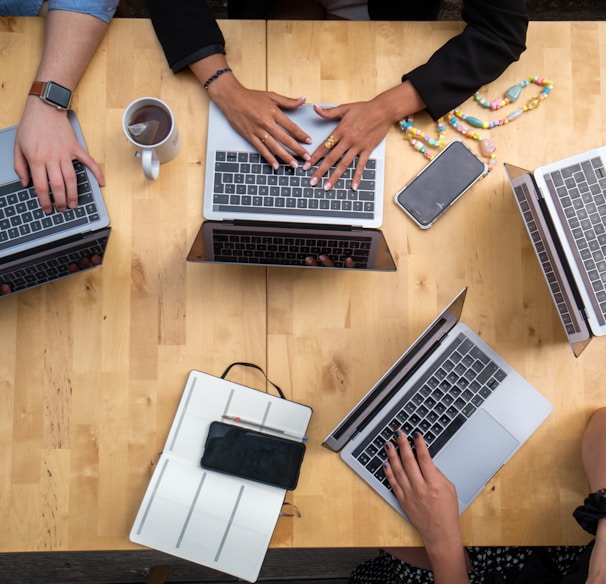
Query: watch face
{"points": [[57, 95]]}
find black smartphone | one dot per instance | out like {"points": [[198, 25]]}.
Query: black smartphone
{"points": [[253, 455], [445, 178]]}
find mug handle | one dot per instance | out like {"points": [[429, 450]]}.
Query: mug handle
{"points": [[150, 163]]}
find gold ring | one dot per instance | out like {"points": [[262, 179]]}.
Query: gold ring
{"points": [[330, 142], [264, 138]]}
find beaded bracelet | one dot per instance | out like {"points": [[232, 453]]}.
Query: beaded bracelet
{"points": [[216, 76]]}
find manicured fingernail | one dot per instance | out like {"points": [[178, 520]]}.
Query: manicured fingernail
{"points": [[306, 166], [415, 435], [314, 181], [308, 140], [327, 185], [385, 465], [398, 433], [294, 163], [275, 166], [306, 156], [354, 186], [387, 446]]}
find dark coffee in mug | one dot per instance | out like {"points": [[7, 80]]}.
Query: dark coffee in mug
{"points": [[149, 125]]}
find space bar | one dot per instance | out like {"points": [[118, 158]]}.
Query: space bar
{"points": [[446, 435], [294, 211], [43, 232]]}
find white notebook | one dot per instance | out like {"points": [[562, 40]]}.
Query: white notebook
{"points": [[217, 520]]}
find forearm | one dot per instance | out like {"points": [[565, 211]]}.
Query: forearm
{"points": [[597, 563], [448, 562], [66, 54]]}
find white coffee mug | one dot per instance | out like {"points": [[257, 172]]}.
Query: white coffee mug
{"points": [[150, 125]]}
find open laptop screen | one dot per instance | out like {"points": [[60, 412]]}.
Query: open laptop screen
{"points": [[265, 244]]}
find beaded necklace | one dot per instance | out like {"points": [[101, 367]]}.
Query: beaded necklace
{"points": [[426, 145]]}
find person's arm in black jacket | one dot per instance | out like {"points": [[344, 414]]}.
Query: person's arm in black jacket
{"points": [[191, 38], [494, 37]]}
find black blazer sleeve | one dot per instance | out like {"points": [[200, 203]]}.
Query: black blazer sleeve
{"points": [[495, 36], [187, 30]]}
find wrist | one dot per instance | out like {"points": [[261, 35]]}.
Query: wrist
{"points": [[52, 93], [400, 101]]}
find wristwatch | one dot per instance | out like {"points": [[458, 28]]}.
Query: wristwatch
{"points": [[52, 93]]}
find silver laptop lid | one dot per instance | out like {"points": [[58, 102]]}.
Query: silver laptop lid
{"points": [[222, 137], [551, 259], [54, 232], [287, 245], [396, 376], [573, 193]]}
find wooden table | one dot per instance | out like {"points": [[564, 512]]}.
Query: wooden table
{"points": [[93, 366], [332, 336]]}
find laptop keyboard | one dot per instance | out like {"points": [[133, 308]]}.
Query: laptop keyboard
{"points": [[568, 319], [51, 268], [581, 190], [287, 250], [442, 400], [245, 183], [22, 219]]}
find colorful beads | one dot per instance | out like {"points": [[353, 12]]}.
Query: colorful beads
{"points": [[514, 92], [422, 142]]}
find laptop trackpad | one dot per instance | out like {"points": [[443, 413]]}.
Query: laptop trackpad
{"points": [[475, 454]]}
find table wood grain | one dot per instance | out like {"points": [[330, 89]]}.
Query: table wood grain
{"points": [[93, 366]]}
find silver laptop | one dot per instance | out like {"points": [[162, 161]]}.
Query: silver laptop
{"points": [[36, 248], [259, 216], [563, 206], [472, 408], [240, 185]]}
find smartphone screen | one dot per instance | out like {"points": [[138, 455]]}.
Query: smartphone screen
{"points": [[253, 455], [429, 194]]}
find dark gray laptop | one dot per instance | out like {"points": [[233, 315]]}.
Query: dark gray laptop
{"points": [[472, 408], [36, 248], [563, 206]]}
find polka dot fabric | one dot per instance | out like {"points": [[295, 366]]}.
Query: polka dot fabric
{"points": [[504, 562]]}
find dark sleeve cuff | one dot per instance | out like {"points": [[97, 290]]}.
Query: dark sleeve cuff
{"points": [[196, 56], [186, 29]]}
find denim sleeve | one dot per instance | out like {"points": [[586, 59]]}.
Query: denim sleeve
{"points": [[102, 9]]}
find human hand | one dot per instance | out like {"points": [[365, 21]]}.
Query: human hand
{"points": [[45, 146], [427, 497], [259, 117], [327, 262], [361, 127], [85, 263], [82, 264]]}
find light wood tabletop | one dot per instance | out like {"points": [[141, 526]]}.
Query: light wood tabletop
{"points": [[333, 336], [93, 366]]}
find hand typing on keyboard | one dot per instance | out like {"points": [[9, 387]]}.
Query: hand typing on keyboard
{"points": [[362, 126], [324, 260], [82, 264], [429, 500], [45, 146]]}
